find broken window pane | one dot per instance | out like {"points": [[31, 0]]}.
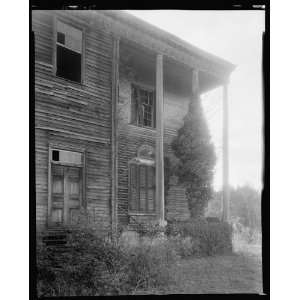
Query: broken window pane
{"points": [[68, 64], [60, 38], [68, 52], [142, 107]]}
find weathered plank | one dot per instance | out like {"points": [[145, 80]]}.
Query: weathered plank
{"points": [[74, 115]]}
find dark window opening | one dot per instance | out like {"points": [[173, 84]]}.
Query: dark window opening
{"points": [[68, 64], [68, 52], [142, 188], [142, 107], [55, 155]]}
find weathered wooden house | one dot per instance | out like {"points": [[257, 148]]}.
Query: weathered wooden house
{"points": [[111, 92]]}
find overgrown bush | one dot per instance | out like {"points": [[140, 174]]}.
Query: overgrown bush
{"points": [[182, 245], [150, 229], [196, 158], [149, 264], [92, 265], [207, 238]]}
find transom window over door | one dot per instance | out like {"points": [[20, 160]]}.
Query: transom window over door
{"points": [[68, 52], [142, 106], [142, 188]]}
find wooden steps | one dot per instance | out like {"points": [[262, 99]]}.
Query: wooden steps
{"points": [[56, 237]]}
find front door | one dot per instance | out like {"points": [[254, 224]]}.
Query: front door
{"points": [[66, 194]]}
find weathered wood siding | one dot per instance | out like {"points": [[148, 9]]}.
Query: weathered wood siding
{"points": [[131, 137], [76, 116]]}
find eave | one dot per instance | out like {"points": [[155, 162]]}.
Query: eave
{"points": [[163, 42]]}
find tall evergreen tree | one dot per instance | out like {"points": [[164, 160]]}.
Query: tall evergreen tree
{"points": [[196, 158]]}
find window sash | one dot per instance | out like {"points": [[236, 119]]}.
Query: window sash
{"points": [[143, 107], [68, 43], [72, 37]]}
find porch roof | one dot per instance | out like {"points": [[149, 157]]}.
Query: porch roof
{"points": [[176, 48]]}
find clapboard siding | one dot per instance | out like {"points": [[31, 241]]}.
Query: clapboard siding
{"points": [[72, 115], [131, 137]]}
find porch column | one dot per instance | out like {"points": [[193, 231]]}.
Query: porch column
{"points": [[114, 137], [225, 212], [195, 85], [159, 157]]}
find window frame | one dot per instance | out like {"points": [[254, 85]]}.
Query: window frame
{"points": [[83, 42], [137, 211], [148, 89]]}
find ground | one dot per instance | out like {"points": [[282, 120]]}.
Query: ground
{"points": [[224, 274], [236, 273]]}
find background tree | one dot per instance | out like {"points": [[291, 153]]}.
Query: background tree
{"points": [[245, 205], [196, 158]]}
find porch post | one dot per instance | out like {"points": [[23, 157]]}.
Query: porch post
{"points": [[195, 85], [159, 159], [225, 212], [114, 139]]}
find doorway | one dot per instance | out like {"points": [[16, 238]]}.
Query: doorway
{"points": [[66, 187]]}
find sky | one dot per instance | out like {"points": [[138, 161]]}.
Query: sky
{"points": [[237, 37]]}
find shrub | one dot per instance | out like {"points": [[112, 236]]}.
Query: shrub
{"points": [[182, 245], [149, 264], [90, 265], [208, 238], [196, 158], [150, 229]]}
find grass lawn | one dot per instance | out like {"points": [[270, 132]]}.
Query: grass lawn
{"points": [[236, 273]]}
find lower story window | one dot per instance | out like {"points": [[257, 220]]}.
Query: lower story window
{"points": [[142, 188]]}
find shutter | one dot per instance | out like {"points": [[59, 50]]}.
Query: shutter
{"points": [[143, 187], [133, 187], [151, 188]]}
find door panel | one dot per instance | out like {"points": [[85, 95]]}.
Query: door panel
{"points": [[74, 192], [57, 194], [57, 216], [66, 194]]}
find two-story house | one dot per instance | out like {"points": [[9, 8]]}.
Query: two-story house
{"points": [[111, 92]]}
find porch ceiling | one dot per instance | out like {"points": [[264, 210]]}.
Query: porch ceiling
{"points": [[177, 76]]}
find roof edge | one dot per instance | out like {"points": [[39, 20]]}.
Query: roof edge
{"points": [[169, 37]]}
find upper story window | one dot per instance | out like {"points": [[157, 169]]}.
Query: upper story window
{"points": [[68, 52], [142, 106]]}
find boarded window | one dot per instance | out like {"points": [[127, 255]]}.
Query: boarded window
{"points": [[142, 107], [142, 188], [68, 52]]}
